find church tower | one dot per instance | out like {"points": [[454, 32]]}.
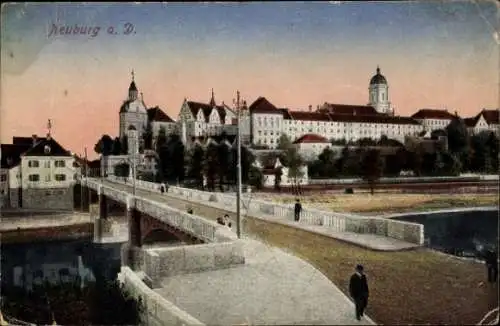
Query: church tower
{"points": [[133, 112], [379, 94]]}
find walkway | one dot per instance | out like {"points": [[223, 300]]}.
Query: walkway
{"points": [[271, 288], [212, 210]]}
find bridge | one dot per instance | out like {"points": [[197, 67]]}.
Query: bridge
{"points": [[200, 260]]}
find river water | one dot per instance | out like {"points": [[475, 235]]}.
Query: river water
{"points": [[459, 232], [58, 261]]}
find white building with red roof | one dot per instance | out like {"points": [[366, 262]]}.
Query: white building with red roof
{"points": [[311, 145]]}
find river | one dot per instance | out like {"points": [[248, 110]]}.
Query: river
{"points": [[458, 232], [58, 261]]}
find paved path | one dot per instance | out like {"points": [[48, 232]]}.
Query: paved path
{"points": [[271, 288], [212, 210]]}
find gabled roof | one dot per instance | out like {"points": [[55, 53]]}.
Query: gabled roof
{"points": [[433, 114], [349, 109], [491, 116], [471, 122], [262, 105], [311, 139], [11, 153], [47, 147], [26, 140], [157, 114], [195, 107]]}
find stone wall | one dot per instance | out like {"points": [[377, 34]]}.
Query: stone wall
{"points": [[14, 197], [157, 310], [165, 262], [48, 198]]}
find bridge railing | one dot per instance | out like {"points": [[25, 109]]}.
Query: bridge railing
{"points": [[198, 226], [338, 222]]}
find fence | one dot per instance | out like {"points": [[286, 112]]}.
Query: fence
{"points": [[339, 222], [463, 178]]}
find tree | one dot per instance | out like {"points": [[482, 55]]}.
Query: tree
{"points": [[278, 172], [124, 146], [177, 153], [458, 140], [195, 170], [104, 146], [327, 163], [373, 166], [147, 136], [223, 159], [117, 146], [284, 142], [162, 151], [247, 160], [122, 170], [211, 165], [256, 178]]}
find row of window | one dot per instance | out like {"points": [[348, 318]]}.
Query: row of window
{"points": [[36, 164], [57, 177]]}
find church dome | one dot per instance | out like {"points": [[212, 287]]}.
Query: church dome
{"points": [[378, 78]]}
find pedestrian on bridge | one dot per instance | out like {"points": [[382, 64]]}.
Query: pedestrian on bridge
{"points": [[227, 221], [298, 210], [358, 289]]}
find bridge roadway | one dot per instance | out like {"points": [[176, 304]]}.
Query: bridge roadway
{"points": [[272, 287], [212, 210]]}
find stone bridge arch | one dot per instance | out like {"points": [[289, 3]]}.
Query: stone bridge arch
{"points": [[153, 230]]}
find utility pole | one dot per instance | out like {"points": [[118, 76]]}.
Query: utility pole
{"points": [[87, 174], [238, 169]]}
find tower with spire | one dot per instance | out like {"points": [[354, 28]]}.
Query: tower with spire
{"points": [[133, 112], [379, 93], [212, 99]]}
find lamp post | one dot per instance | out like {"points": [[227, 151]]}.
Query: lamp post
{"points": [[238, 169]]}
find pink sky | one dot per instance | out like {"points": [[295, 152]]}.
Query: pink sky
{"points": [[80, 85]]}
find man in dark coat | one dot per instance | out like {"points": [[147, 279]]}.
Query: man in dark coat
{"points": [[358, 289], [491, 260], [298, 209]]}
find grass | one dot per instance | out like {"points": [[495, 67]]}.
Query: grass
{"points": [[411, 287], [389, 203]]}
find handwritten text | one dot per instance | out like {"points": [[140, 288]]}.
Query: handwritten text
{"points": [[92, 31]]}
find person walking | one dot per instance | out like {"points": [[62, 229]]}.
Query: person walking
{"points": [[227, 221], [298, 210], [491, 260], [358, 289]]}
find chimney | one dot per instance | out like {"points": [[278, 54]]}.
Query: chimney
{"points": [[35, 138], [48, 136], [317, 107], [310, 108]]}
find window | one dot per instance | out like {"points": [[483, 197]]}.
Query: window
{"points": [[3, 177], [60, 177], [47, 164], [47, 178], [33, 164], [34, 177]]}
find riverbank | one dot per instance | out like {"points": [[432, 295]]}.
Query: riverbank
{"points": [[365, 203], [43, 226]]}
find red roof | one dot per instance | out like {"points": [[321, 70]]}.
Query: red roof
{"points": [[311, 139], [262, 105], [207, 110], [471, 122], [349, 109], [491, 116], [433, 114], [157, 114]]}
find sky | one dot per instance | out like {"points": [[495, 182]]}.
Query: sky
{"points": [[434, 54]]}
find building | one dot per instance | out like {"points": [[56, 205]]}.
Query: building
{"points": [[41, 173], [133, 112], [378, 94], [311, 145], [269, 166], [483, 121], [433, 119]]}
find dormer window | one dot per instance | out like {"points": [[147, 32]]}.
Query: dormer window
{"points": [[46, 149]]}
